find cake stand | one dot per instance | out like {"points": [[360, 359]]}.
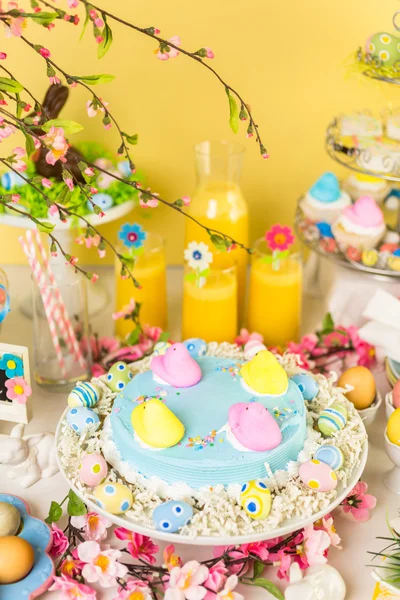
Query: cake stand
{"points": [[286, 528], [98, 295]]}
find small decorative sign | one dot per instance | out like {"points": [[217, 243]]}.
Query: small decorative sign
{"points": [[15, 383], [199, 258], [279, 239]]}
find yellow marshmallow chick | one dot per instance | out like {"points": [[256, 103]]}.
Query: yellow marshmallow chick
{"points": [[264, 375], [156, 425]]}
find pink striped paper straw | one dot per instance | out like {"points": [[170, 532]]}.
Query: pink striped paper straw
{"points": [[60, 310], [44, 290]]}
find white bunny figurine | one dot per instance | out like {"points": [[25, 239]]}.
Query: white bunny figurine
{"points": [[29, 458]]}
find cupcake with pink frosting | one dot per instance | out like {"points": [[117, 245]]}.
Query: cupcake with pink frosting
{"points": [[360, 225]]}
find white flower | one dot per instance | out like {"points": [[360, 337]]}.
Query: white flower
{"points": [[226, 593], [95, 526], [100, 565], [185, 582], [198, 256]]}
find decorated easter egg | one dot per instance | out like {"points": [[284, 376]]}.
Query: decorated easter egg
{"points": [[325, 229], [115, 498], [396, 394], [393, 427], [103, 201], [196, 347], [364, 386], [384, 48], [10, 519], [369, 258], [252, 347], [318, 475], [16, 560], [118, 376], [160, 348], [330, 455], [307, 385], [80, 417], [93, 469], [84, 394], [332, 419], [394, 263], [172, 515], [11, 179], [255, 498]]}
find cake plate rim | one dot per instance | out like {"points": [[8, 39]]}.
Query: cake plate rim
{"points": [[224, 540]]}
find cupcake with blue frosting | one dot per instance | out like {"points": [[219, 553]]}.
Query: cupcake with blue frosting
{"points": [[325, 200]]}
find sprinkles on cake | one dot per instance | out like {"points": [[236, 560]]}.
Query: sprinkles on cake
{"points": [[199, 443]]}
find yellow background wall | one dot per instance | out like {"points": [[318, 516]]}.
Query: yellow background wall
{"points": [[285, 58]]}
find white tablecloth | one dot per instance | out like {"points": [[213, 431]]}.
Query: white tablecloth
{"points": [[357, 538]]}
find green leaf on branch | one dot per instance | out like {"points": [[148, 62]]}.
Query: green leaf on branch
{"points": [[87, 18], [45, 226], [131, 139], [29, 145], [42, 18], [105, 45], [233, 112], [258, 569], [266, 585], [69, 127], [328, 324], [133, 337], [218, 241], [55, 513], [75, 507], [164, 336], [95, 79], [10, 85]]}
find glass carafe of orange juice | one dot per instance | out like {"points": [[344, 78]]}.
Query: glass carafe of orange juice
{"points": [[218, 203]]}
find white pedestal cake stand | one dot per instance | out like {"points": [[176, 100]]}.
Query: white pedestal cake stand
{"points": [[98, 296], [286, 528]]}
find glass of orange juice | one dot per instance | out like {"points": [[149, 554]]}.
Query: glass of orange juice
{"points": [[275, 296], [149, 269]]}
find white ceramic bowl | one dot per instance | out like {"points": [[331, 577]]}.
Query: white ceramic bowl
{"points": [[368, 415], [389, 404], [392, 477]]}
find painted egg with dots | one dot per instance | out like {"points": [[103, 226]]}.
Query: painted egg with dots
{"points": [[318, 476], [332, 420], [196, 347], [330, 455], [172, 515], [160, 348], [80, 418], [118, 376], [103, 201], [307, 385], [93, 469], [114, 498], [384, 48], [255, 499], [85, 393]]}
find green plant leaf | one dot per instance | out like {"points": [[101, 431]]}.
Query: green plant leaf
{"points": [[43, 18], [133, 337], [233, 113], [105, 45], [131, 139], [95, 79], [328, 323], [85, 23], [69, 127], [55, 513], [45, 226], [258, 569], [164, 336], [266, 585], [10, 85], [218, 241], [29, 145], [75, 507]]}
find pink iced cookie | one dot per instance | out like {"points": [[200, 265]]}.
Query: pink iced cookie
{"points": [[176, 367], [254, 427], [364, 212]]}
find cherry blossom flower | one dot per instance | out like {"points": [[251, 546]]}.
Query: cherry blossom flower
{"points": [[172, 52], [186, 200], [327, 524], [284, 561], [98, 22], [72, 590], [15, 198], [73, 3], [153, 333], [235, 553], [53, 210], [186, 582], [54, 80], [100, 565], [94, 278], [99, 39], [139, 546], [312, 549], [227, 593], [210, 53], [16, 23], [336, 338], [5, 130], [358, 502], [216, 580], [146, 201], [18, 389], [171, 559], [44, 52], [125, 310], [57, 145], [245, 336], [134, 590], [70, 566], [259, 549], [93, 109], [69, 183], [60, 542], [3, 55], [94, 525], [46, 183], [89, 171]]}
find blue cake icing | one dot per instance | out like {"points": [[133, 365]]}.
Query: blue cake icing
{"points": [[205, 457]]}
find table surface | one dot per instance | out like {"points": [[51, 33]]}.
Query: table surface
{"points": [[357, 538]]}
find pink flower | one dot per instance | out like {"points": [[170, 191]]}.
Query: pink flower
{"points": [[94, 525], [20, 165], [60, 542], [54, 80], [94, 278], [358, 503], [99, 39], [72, 590], [244, 336], [47, 184], [366, 354], [134, 590], [171, 559], [139, 546], [327, 524], [125, 310], [57, 144], [146, 201], [302, 358], [216, 579], [93, 14], [258, 549], [73, 3], [3, 55], [235, 553], [93, 109], [70, 566], [98, 22], [53, 210], [89, 171], [227, 593], [44, 52], [18, 152], [312, 550], [186, 582], [186, 200], [6, 131], [69, 183], [309, 341], [279, 237], [335, 339], [172, 52], [210, 53], [152, 332], [265, 155], [101, 253], [18, 389], [15, 198], [284, 561], [16, 23], [100, 565]]}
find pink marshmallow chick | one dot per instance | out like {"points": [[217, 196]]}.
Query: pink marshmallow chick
{"points": [[177, 367], [364, 212], [254, 427]]}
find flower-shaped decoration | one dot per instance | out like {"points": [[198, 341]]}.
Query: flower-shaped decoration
{"points": [[132, 236], [38, 534], [199, 258], [18, 389], [279, 237], [12, 365]]}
